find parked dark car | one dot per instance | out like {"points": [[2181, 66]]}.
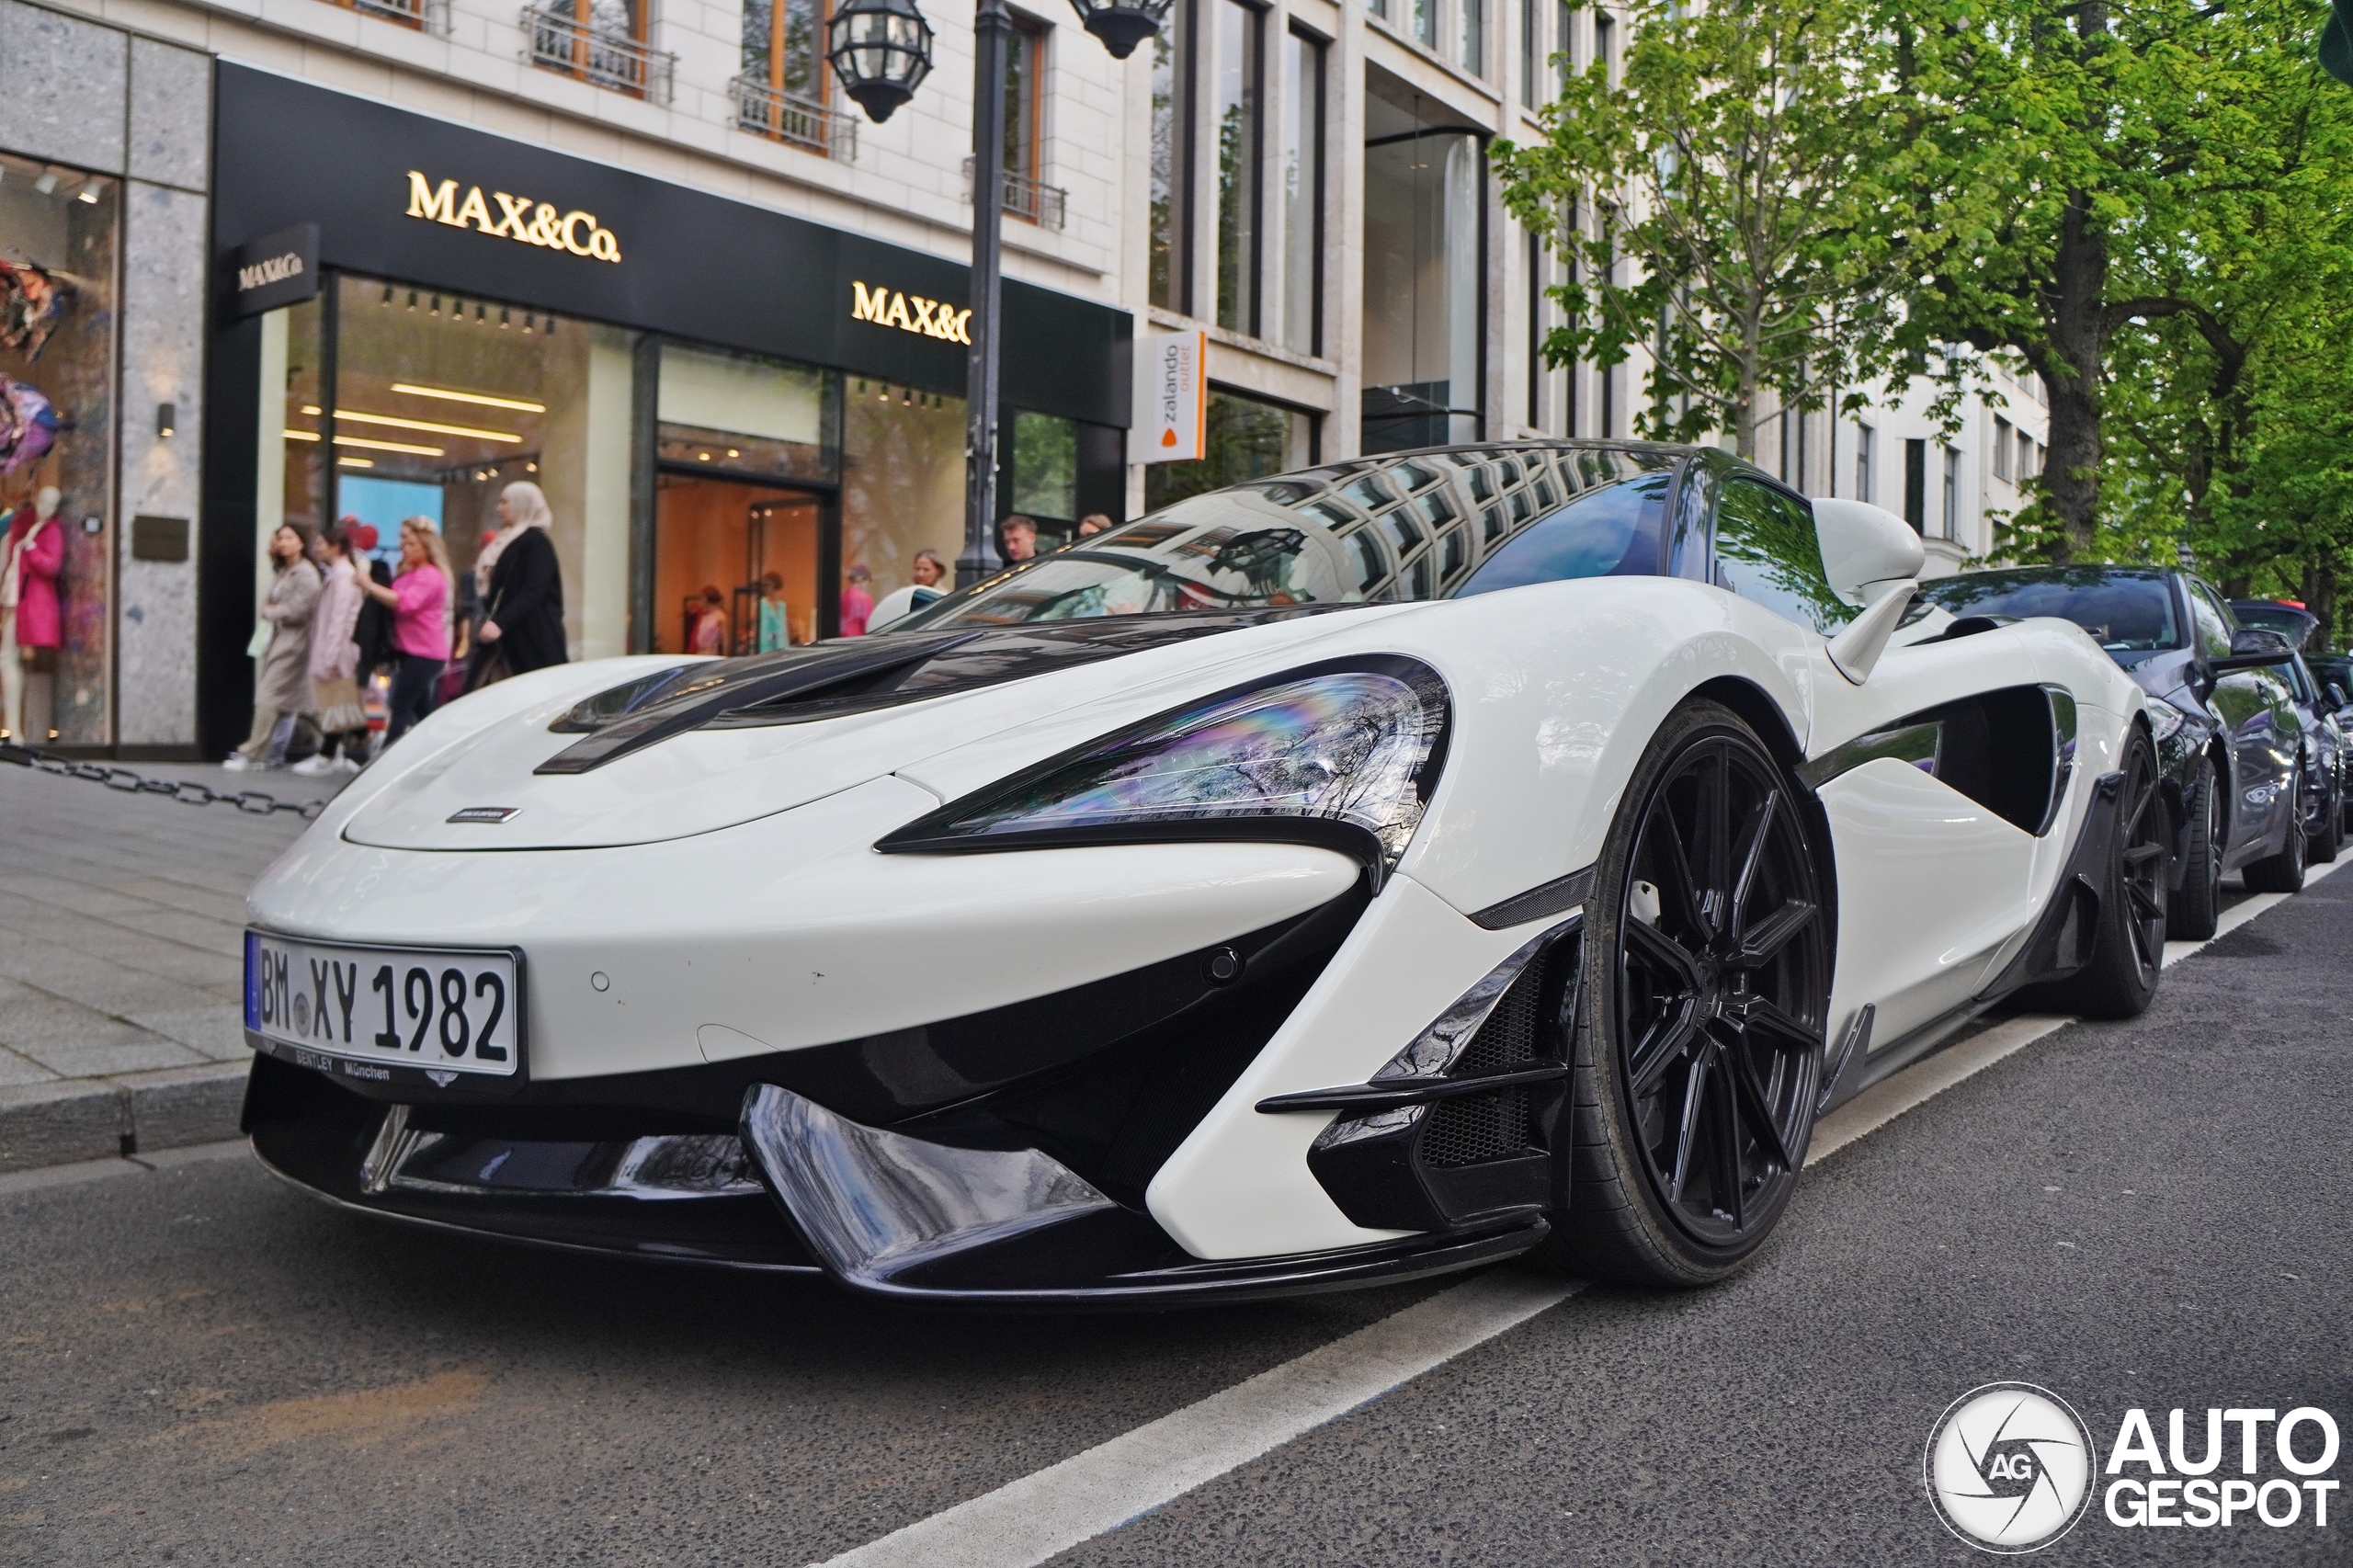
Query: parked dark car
{"points": [[2324, 770], [2230, 738], [2291, 619]]}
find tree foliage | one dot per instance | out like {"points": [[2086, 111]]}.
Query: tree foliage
{"points": [[1712, 204]]}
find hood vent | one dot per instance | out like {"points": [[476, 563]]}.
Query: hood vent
{"points": [[860, 675]]}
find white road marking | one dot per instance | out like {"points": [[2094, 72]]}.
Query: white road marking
{"points": [[1096, 1492], [1027, 1521]]}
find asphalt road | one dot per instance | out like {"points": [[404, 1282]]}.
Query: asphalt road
{"points": [[201, 1366]]}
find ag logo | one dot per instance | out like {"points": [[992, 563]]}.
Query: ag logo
{"points": [[2009, 1468]]}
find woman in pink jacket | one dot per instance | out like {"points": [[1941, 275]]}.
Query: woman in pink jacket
{"points": [[419, 601]]}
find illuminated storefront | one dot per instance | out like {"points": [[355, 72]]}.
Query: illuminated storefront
{"points": [[710, 393]]}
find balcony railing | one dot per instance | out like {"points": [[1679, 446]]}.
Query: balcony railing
{"points": [[560, 42], [1044, 205], [787, 117], [425, 16]]}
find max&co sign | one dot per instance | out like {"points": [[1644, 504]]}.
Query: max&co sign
{"points": [[520, 218], [910, 313]]}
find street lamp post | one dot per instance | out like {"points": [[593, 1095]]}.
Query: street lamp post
{"points": [[881, 50]]}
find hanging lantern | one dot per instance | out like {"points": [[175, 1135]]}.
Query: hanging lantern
{"points": [[881, 50], [1121, 28]]}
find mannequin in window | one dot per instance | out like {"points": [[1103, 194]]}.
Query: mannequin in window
{"points": [[30, 628]]}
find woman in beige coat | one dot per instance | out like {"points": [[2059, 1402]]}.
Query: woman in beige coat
{"points": [[282, 678]]}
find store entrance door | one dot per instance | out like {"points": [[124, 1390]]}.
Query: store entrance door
{"points": [[715, 542]]}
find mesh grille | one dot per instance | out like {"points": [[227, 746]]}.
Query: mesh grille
{"points": [[1475, 1129]]}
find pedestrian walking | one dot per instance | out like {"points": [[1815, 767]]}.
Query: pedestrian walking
{"points": [[775, 616], [710, 623], [335, 657], [857, 604], [419, 600], [1020, 540], [522, 591], [282, 645], [930, 585]]}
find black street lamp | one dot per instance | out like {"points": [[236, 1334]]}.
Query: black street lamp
{"points": [[881, 50]]}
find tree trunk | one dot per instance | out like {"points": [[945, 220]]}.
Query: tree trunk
{"points": [[2074, 314]]}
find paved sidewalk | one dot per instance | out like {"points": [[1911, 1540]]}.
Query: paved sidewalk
{"points": [[121, 920]]}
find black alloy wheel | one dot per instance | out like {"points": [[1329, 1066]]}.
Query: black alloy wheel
{"points": [[2283, 872], [2128, 948], [1699, 1054], [2193, 914]]}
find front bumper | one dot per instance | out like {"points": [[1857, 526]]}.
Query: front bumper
{"points": [[799, 1190]]}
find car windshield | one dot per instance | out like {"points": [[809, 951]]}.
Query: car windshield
{"points": [[1420, 526], [2129, 612]]}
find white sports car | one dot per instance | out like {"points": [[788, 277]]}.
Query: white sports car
{"points": [[1352, 874]]}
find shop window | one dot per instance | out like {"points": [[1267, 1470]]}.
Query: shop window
{"points": [[740, 556], [1302, 194], [1172, 128], [1045, 470], [743, 413], [600, 42], [438, 403], [1245, 439], [58, 243], [903, 481], [1423, 294], [1240, 30], [781, 94]]}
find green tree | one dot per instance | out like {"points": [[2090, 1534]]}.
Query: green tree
{"points": [[2058, 166], [1713, 207]]}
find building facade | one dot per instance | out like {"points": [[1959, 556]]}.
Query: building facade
{"points": [[377, 258]]}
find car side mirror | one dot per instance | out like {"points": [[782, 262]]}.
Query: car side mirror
{"points": [[1866, 550], [2252, 646], [2337, 698]]}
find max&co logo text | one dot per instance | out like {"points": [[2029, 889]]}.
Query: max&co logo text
{"points": [[520, 218], [276, 269], [910, 313]]}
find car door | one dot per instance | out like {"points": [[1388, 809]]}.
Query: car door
{"points": [[1930, 879], [2257, 712]]}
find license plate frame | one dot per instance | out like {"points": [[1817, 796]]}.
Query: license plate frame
{"points": [[280, 1021]]}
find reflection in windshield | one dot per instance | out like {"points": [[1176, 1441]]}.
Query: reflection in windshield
{"points": [[1610, 532], [2128, 612], [1422, 526]]}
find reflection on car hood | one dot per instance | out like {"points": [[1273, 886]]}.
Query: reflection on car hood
{"points": [[726, 740]]}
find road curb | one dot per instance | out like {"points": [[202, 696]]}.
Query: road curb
{"points": [[99, 1118]]}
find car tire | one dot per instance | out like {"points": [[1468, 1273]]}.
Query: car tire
{"points": [[2128, 949], [2193, 914], [1699, 1045], [2283, 872]]}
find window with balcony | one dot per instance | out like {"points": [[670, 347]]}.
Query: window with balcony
{"points": [[407, 13], [601, 42], [781, 94], [1025, 195]]}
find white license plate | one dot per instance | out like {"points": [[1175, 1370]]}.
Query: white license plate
{"points": [[441, 1010]]}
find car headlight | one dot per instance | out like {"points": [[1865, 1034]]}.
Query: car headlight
{"points": [[1345, 755], [2164, 718]]}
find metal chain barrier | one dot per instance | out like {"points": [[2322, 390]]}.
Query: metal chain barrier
{"points": [[187, 791]]}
